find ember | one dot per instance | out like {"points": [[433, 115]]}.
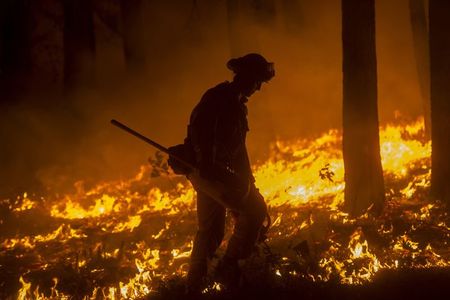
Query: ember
{"points": [[124, 239]]}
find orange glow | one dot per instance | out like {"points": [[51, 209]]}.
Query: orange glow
{"points": [[302, 182]]}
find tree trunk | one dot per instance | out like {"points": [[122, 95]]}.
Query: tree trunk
{"points": [[15, 48], [364, 184], [79, 44], [421, 52], [133, 29], [439, 11]]}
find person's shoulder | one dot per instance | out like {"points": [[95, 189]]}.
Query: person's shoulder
{"points": [[219, 91]]}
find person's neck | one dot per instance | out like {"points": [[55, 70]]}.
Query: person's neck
{"points": [[238, 89]]}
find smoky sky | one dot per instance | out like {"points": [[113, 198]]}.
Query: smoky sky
{"points": [[187, 47]]}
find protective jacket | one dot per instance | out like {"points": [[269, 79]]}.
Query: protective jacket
{"points": [[217, 132]]}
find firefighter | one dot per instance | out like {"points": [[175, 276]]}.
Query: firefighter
{"points": [[217, 133]]}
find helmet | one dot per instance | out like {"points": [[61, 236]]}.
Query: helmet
{"points": [[254, 65]]}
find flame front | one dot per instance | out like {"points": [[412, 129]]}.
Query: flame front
{"points": [[127, 237]]}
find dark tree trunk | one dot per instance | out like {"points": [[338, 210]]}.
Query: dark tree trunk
{"points": [[133, 29], [364, 184], [15, 48], [79, 44], [421, 52], [439, 11]]}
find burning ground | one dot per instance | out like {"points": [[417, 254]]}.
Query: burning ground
{"points": [[132, 238]]}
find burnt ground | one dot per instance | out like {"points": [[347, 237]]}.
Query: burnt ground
{"points": [[387, 284], [88, 253]]}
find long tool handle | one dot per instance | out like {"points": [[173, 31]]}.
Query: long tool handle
{"points": [[149, 141]]}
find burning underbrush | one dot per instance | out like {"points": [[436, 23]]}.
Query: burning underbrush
{"points": [[127, 239]]}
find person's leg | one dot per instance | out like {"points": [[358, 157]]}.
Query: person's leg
{"points": [[211, 225], [251, 216]]}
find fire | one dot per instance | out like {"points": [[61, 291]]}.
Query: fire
{"points": [[73, 210], [24, 290], [290, 175], [133, 222], [359, 265], [26, 204], [63, 233], [129, 236]]}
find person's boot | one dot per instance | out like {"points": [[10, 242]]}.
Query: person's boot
{"points": [[228, 273], [196, 279]]}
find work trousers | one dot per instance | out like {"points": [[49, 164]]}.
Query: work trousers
{"points": [[250, 215]]}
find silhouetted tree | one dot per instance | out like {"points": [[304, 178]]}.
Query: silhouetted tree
{"points": [[364, 184], [15, 46], [421, 52], [79, 44], [439, 13], [133, 29]]}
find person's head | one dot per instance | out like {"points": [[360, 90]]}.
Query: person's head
{"points": [[250, 71]]}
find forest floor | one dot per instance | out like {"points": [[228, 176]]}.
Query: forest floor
{"points": [[389, 284], [132, 238]]}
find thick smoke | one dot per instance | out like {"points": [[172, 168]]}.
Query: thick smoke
{"points": [[52, 140]]}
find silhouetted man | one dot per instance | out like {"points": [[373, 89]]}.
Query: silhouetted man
{"points": [[217, 133]]}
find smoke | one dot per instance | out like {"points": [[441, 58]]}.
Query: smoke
{"points": [[398, 85], [51, 140]]}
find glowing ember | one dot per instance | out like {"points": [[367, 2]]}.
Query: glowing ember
{"points": [[129, 236]]}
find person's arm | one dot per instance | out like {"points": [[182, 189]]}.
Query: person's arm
{"points": [[203, 129]]}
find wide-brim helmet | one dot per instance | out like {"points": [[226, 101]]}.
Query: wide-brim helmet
{"points": [[252, 65]]}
